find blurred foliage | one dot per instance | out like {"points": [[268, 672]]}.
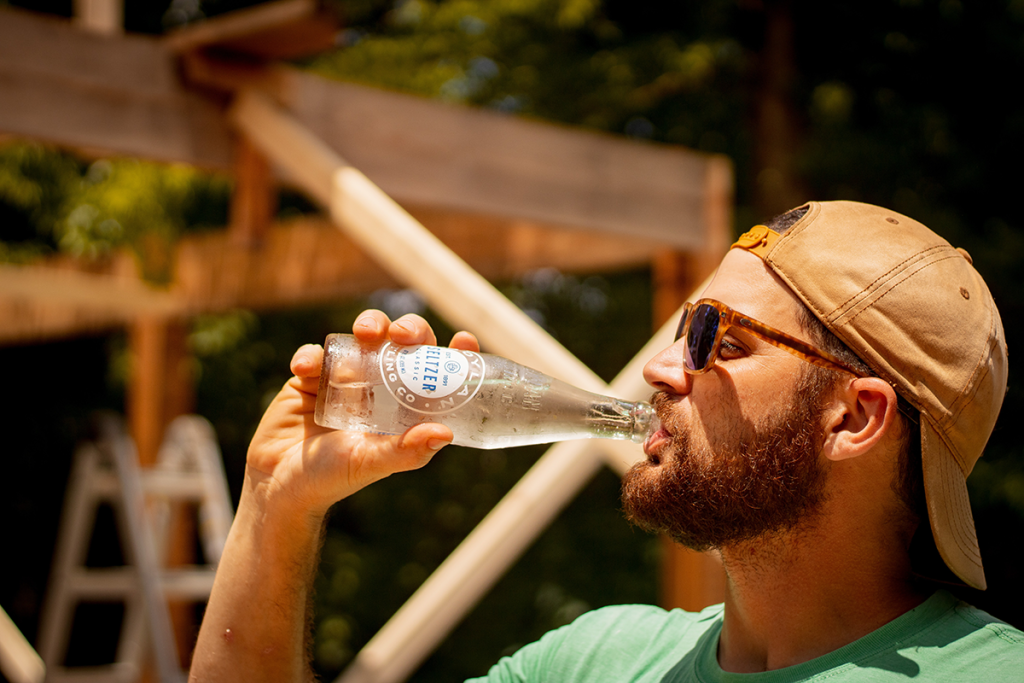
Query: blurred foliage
{"points": [[52, 203], [610, 66], [910, 104]]}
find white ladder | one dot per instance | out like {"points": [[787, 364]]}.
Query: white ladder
{"points": [[106, 470]]}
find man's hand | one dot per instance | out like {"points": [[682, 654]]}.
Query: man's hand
{"points": [[256, 623], [301, 464]]}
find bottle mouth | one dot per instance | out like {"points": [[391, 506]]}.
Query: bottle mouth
{"points": [[645, 422]]}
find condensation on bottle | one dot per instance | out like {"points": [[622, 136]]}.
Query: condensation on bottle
{"points": [[487, 401]]}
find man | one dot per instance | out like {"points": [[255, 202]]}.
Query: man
{"points": [[844, 361]]}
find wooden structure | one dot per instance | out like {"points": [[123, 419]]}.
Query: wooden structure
{"points": [[439, 198]]}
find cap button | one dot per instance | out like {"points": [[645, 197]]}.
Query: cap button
{"points": [[963, 252], [752, 237]]}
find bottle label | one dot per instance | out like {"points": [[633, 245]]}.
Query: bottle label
{"points": [[431, 379]]}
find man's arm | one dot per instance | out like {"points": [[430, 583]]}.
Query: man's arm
{"points": [[255, 626]]}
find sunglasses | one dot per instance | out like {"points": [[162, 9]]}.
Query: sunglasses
{"points": [[705, 322]]}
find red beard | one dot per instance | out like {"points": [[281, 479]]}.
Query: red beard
{"points": [[754, 480]]}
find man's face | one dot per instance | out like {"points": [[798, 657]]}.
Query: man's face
{"points": [[737, 456]]}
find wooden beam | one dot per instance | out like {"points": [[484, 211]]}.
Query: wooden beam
{"points": [[104, 17], [308, 260], [161, 387], [427, 153], [124, 295], [254, 198], [287, 29], [19, 662], [103, 94], [691, 580], [124, 96], [160, 384], [301, 262]]}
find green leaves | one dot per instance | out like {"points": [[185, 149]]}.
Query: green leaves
{"points": [[565, 60], [88, 210]]}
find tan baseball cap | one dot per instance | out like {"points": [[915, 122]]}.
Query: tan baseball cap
{"points": [[919, 314]]}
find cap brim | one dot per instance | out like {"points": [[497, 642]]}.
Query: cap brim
{"points": [[949, 508]]}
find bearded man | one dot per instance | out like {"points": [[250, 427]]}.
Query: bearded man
{"points": [[820, 410]]}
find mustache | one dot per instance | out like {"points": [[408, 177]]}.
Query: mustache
{"points": [[663, 404]]}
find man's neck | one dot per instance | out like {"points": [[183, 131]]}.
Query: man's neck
{"points": [[794, 597]]}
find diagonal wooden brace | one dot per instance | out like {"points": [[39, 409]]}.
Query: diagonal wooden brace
{"points": [[466, 300]]}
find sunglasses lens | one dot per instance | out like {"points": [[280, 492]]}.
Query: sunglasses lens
{"points": [[700, 339], [681, 327]]}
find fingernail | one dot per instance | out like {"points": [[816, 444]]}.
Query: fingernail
{"points": [[436, 444], [368, 322]]}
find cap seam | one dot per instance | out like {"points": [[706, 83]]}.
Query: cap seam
{"points": [[832, 320], [828, 322], [890, 274], [965, 540], [963, 399]]}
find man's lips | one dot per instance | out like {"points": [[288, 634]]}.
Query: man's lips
{"points": [[655, 442]]}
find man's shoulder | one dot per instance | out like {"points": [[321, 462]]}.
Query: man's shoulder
{"points": [[617, 618], [620, 642], [949, 640], [641, 628], [985, 635], [980, 621]]}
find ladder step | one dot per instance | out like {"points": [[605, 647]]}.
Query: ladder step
{"points": [[192, 583], [170, 484], [108, 673], [118, 582], [102, 583]]}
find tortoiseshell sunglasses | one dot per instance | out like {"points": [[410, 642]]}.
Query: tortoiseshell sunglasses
{"points": [[704, 324]]}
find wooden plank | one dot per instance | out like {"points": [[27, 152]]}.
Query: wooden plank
{"points": [[287, 29], [103, 292], [113, 95], [105, 17], [253, 200], [301, 262], [308, 260], [688, 579], [427, 153], [18, 661], [123, 95]]}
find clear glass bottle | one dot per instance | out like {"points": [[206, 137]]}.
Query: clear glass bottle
{"points": [[487, 401]]}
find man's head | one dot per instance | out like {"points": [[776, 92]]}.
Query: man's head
{"points": [[907, 307]]}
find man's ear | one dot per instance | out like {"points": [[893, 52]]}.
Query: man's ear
{"points": [[864, 412]]}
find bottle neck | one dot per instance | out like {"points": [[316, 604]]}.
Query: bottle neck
{"points": [[612, 418]]}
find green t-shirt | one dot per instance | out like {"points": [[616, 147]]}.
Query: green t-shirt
{"points": [[943, 639]]}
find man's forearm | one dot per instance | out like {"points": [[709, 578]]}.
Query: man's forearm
{"points": [[256, 623]]}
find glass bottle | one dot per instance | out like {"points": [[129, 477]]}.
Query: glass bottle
{"points": [[487, 401]]}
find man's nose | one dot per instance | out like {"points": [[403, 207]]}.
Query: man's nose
{"points": [[665, 371]]}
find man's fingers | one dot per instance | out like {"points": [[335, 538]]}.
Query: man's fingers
{"points": [[418, 444], [465, 341], [411, 329], [307, 360], [371, 325]]}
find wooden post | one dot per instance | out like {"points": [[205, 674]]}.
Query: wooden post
{"points": [[160, 389], [692, 580], [160, 386], [253, 201], [105, 17], [689, 580]]}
